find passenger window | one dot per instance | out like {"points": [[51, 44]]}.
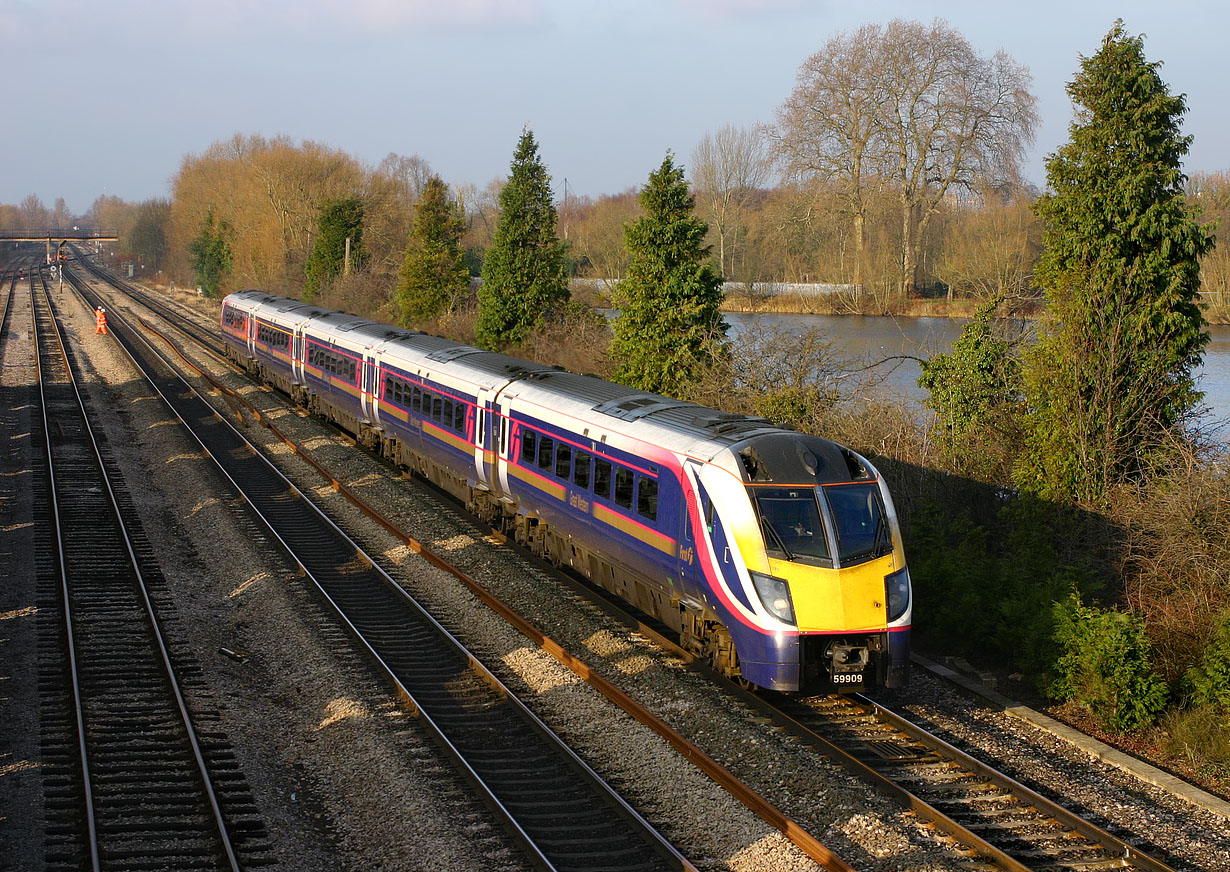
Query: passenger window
{"points": [[563, 461], [580, 470], [647, 498], [602, 479], [459, 416], [437, 407], [442, 410], [529, 453], [546, 448], [416, 399], [623, 487]]}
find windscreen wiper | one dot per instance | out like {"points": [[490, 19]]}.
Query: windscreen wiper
{"points": [[767, 525]]}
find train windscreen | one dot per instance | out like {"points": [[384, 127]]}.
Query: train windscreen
{"points": [[791, 523], [859, 521]]}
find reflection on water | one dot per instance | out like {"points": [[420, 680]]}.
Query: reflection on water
{"points": [[869, 338]]}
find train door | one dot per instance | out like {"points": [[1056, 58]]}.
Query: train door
{"points": [[484, 458], [502, 442], [692, 531], [377, 391], [367, 386], [298, 351]]}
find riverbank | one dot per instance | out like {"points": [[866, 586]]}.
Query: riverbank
{"points": [[913, 307]]}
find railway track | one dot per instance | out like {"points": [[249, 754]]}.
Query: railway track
{"points": [[1001, 823], [139, 778], [559, 811], [995, 816]]}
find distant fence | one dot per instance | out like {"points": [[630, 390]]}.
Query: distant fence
{"points": [[755, 289], [783, 289]]}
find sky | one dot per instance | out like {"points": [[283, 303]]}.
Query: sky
{"points": [[108, 98]]}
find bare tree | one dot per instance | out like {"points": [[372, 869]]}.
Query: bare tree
{"points": [[827, 128], [1210, 193], [34, 215], [596, 236], [990, 248], [954, 118], [390, 194], [268, 192], [481, 206], [910, 105], [728, 170]]}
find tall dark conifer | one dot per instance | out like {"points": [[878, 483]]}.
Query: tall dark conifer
{"points": [[669, 321], [524, 283], [340, 220], [210, 254], [1110, 381], [433, 276]]}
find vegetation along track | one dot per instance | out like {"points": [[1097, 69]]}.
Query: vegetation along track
{"points": [[998, 820], [140, 779], [554, 805]]}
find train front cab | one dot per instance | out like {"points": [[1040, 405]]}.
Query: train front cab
{"points": [[824, 558]]}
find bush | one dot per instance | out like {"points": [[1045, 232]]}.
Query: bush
{"points": [[1106, 665], [1200, 737], [986, 588], [1208, 682]]}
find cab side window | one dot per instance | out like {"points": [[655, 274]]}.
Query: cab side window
{"points": [[647, 498]]}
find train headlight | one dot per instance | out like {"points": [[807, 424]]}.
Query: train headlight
{"points": [[775, 594], [897, 593]]}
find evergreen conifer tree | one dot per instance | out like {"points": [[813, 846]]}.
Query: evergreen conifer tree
{"points": [[669, 321], [524, 283], [339, 219], [210, 253], [433, 277], [1110, 383]]}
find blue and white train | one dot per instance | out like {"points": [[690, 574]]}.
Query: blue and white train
{"points": [[775, 555]]}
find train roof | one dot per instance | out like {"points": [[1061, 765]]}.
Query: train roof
{"points": [[588, 391], [554, 387]]}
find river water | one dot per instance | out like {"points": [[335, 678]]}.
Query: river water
{"points": [[869, 338]]}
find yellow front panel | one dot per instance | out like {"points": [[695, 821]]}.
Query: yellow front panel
{"points": [[836, 600]]}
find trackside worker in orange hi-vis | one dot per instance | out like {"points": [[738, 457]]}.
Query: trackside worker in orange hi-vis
{"points": [[100, 320]]}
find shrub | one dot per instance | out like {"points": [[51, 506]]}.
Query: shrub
{"points": [[1208, 682], [1201, 737], [1106, 665]]}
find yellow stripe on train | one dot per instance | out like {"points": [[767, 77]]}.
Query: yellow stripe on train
{"points": [[539, 482], [652, 538]]}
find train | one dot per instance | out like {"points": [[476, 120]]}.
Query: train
{"points": [[774, 555]]}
